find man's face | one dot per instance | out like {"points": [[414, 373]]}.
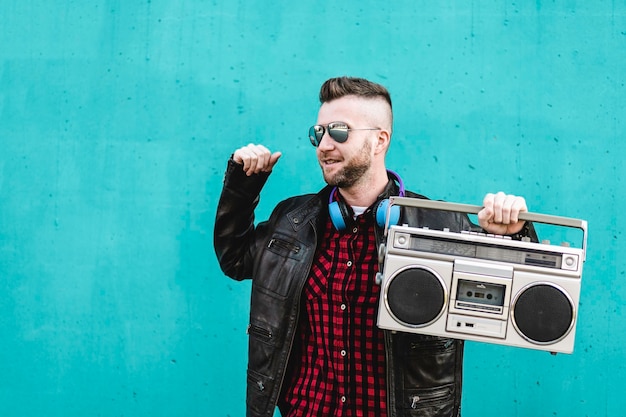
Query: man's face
{"points": [[344, 164]]}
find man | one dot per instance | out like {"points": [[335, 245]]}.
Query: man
{"points": [[314, 348]]}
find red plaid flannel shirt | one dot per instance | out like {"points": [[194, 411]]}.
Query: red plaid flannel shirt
{"points": [[338, 362]]}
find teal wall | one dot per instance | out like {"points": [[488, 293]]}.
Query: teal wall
{"points": [[116, 121]]}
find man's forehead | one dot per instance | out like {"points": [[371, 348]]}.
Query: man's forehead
{"points": [[353, 107]]}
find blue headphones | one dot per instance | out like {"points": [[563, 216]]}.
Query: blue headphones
{"points": [[340, 215]]}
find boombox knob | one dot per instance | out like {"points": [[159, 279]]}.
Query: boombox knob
{"points": [[381, 253], [379, 278]]}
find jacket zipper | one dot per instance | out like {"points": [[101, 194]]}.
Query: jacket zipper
{"points": [[297, 318], [259, 331], [279, 243], [428, 397], [391, 400], [444, 344]]}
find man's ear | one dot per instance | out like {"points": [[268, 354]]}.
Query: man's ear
{"points": [[382, 141]]}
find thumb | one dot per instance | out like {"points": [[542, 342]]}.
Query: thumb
{"points": [[274, 158]]}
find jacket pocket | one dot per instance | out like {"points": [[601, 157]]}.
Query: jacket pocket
{"points": [[279, 262], [427, 361], [262, 333], [264, 347], [429, 402], [259, 390]]}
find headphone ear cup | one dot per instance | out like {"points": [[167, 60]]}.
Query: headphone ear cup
{"points": [[381, 214], [336, 216]]}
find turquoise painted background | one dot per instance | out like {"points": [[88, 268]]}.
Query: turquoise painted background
{"points": [[116, 120]]}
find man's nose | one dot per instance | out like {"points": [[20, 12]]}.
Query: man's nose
{"points": [[326, 142]]}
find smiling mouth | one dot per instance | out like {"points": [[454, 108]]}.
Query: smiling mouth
{"points": [[328, 162]]}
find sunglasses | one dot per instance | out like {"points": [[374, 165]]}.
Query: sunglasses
{"points": [[336, 130]]}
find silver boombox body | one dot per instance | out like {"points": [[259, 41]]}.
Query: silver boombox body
{"points": [[480, 287]]}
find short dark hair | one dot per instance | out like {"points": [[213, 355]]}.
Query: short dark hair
{"points": [[351, 86]]}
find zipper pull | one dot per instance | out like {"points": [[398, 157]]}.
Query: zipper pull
{"points": [[414, 400]]}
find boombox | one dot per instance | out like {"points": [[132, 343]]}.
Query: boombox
{"points": [[481, 287]]}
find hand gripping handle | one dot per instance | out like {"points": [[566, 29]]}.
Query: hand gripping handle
{"points": [[472, 209]]}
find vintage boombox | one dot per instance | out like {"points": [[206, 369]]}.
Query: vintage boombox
{"points": [[481, 287]]}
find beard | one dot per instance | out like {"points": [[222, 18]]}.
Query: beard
{"points": [[353, 170]]}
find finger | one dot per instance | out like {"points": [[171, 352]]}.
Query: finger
{"points": [[248, 158], [488, 200], [498, 204], [239, 154], [255, 158], [488, 206], [511, 207], [259, 159], [486, 213], [252, 158], [507, 207], [518, 205]]}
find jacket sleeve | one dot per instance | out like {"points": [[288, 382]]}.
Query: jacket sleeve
{"points": [[234, 231]]}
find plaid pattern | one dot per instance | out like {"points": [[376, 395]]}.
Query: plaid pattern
{"points": [[338, 362]]}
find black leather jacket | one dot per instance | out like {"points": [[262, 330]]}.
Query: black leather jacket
{"points": [[424, 373]]}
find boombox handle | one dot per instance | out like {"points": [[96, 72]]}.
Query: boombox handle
{"points": [[472, 209]]}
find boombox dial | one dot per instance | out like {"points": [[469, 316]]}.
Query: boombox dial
{"points": [[480, 287]]}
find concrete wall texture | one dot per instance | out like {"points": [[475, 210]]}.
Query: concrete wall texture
{"points": [[116, 121]]}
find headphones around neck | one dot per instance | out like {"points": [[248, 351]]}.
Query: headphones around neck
{"points": [[340, 214]]}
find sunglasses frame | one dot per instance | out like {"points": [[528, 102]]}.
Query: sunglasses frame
{"points": [[316, 132]]}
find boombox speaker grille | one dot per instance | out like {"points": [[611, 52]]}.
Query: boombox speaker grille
{"points": [[415, 296], [543, 314]]}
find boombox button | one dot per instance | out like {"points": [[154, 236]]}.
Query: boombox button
{"points": [[401, 240], [571, 262]]}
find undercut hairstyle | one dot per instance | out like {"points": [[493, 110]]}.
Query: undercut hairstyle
{"points": [[335, 88]]}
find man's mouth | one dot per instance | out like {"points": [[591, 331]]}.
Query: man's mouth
{"points": [[327, 162]]}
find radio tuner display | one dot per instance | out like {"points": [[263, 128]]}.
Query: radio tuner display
{"points": [[443, 246], [485, 251]]}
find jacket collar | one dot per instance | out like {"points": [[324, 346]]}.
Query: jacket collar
{"points": [[304, 213]]}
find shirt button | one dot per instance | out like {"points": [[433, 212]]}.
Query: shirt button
{"points": [[343, 307], [355, 230], [343, 398], [349, 263], [343, 353]]}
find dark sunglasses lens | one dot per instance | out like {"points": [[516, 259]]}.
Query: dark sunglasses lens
{"points": [[340, 134], [315, 135]]}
